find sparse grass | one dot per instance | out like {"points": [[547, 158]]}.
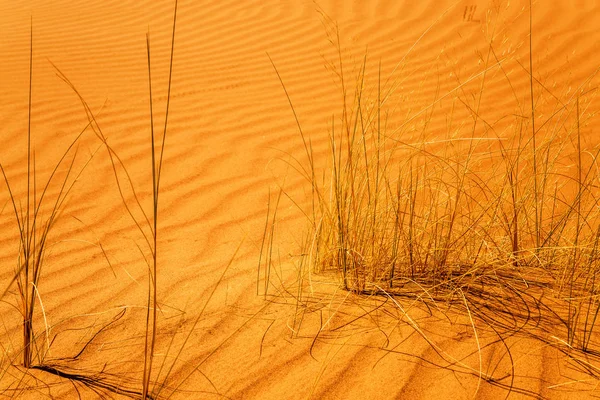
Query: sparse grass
{"points": [[489, 219], [36, 216], [151, 327], [148, 227], [34, 233], [486, 221]]}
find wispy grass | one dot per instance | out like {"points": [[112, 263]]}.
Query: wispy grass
{"points": [[147, 224], [36, 215], [480, 215], [151, 322], [34, 231]]}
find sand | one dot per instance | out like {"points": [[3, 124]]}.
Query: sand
{"points": [[232, 139]]}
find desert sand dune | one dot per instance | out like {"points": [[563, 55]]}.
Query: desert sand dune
{"points": [[232, 141]]}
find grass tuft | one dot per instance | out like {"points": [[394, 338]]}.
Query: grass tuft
{"points": [[35, 222], [496, 219]]}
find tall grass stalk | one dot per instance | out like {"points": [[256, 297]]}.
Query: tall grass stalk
{"points": [[147, 226], [35, 223], [537, 207], [152, 315]]}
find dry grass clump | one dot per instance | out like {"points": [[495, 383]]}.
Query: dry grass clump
{"points": [[35, 220], [145, 221], [478, 213], [36, 213], [391, 211], [149, 378]]}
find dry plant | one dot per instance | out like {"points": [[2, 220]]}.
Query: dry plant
{"points": [[148, 226], [151, 322], [156, 381], [34, 232], [488, 217], [36, 215], [155, 385]]}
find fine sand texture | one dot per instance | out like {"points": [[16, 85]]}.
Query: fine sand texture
{"points": [[238, 314]]}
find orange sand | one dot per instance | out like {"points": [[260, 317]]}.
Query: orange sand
{"points": [[231, 133]]}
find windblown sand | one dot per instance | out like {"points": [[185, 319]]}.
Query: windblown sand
{"points": [[231, 142]]}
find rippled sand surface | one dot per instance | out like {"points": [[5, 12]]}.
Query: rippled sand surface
{"points": [[231, 143]]}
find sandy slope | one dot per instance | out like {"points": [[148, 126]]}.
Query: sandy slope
{"points": [[231, 136]]}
